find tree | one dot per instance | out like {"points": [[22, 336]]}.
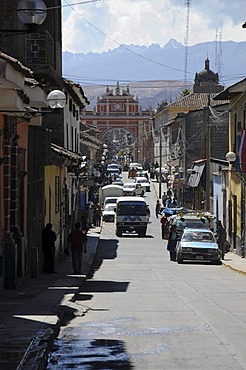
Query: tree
{"points": [[185, 93]]}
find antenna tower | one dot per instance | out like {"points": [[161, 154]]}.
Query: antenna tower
{"points": [[220, 63], [186, 41]]}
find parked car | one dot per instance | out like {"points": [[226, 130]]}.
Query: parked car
{"points": [[110, 200], [114, 166], [133, 188], [108, 214], [144, 182], [118, 181], [113, 172], [194, 221], [199, 245]]}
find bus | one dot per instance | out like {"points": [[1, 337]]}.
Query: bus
{"points": [[132, 215]]}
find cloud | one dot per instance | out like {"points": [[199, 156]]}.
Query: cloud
{"points": [[94, 27]]}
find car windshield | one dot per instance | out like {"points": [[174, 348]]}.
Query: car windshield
{"points": [[113, 200], [133, 208], [131, 186], [194, 224], [196, 236], [110, 207], [142, 180]]}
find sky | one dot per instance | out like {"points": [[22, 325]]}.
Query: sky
{"points": [[97, 26]]}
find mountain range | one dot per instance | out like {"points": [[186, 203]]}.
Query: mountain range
{"points": [[154, 73]]}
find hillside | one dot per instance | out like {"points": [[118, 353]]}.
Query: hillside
{"points": [[161, 67], [149, 93]]}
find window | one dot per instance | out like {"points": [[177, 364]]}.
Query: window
{"points": [[131, 209]]}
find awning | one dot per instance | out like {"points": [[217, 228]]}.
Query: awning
{"points": [[196, 175]]}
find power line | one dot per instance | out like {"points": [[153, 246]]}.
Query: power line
{"points": [[124, 47], [79, 3]]}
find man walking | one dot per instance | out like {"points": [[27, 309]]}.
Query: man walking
{"points": [[77, 240], [221, 238], [48, 246]]}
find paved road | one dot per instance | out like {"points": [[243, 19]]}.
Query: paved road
{"points": [[142, 311]]}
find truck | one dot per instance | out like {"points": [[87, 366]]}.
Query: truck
{"points": [[110, 191], [132, 215]]}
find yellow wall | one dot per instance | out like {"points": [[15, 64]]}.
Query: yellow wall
{"points": [[236, 125]]}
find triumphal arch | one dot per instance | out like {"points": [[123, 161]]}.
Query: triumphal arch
{"points": [[124, 126]]}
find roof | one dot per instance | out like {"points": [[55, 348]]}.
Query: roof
{"points": [[111, 186], [71, 88], [131, 199], [65, 153], [17, 65], [232, 90], [196, 100], [189, 229]]}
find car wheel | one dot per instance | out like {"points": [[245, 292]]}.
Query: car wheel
{"points": [[142, 194], [118, 233], [217, 262], [179, 260]]}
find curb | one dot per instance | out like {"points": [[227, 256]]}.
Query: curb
{"points": [[234, 268]]}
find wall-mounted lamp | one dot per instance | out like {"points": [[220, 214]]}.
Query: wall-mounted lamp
{"points": [[238, 169], [31, 13], [56, 99]]}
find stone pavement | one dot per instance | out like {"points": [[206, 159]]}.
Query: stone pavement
{"points": [[232, 260], [30, 317]]}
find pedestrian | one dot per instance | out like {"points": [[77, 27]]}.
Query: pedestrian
{"points": [[89, 211], [48, 246], [164, 199], [174, 202], [77, 242], [169, 203], [172, 242], [169, 192], [164, 226], [157, 208], [84, 221], [97, 214], [221, 238]]}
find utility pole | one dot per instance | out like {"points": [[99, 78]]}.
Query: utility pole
{"points": [[208, 184]]}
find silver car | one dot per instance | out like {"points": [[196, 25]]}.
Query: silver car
{"points": [[199, 245]]}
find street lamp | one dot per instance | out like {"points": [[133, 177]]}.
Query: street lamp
{"points": [[238, 168], [56, 99], [30, 13]]}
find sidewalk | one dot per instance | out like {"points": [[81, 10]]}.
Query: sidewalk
{"points": [[232, 260], [30, 317]]}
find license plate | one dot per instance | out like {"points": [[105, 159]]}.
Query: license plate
{"points": [[199, 257]]}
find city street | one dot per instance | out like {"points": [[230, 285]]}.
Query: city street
{"points": [[142, 311]]}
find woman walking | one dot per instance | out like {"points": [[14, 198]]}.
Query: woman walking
{"points": [[157, 208]]}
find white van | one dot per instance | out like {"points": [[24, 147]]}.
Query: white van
{"points": [[132, 214]]}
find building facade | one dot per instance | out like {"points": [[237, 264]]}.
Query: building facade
{"points": [[123, 123], [234, 179]]}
